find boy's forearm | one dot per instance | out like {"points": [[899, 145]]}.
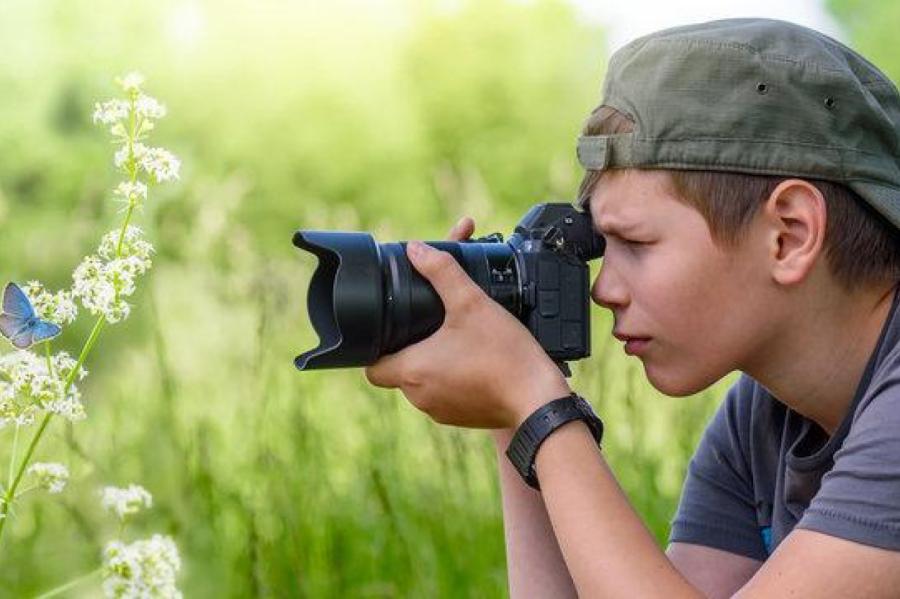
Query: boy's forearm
{"points": [[607, 549], [535, 565]]}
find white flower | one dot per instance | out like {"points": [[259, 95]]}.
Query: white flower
{"points": [[50, 476], [102, 284], [69, 407], [131, 191], [63, 364], [149, 107], [14, 409], [102, 281], [97, 291], [134, 247], [59, 308], [121, 155], [28, 387], [111, 111], [159, 163], [144, 569], [131, 83], [127, 501]]}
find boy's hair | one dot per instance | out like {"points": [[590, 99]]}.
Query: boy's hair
{"points": [[861, 247]]}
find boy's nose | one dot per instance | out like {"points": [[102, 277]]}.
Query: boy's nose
{"points": [[608, 290]]}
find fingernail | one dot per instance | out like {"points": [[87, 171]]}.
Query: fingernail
{"points": [[416, 248]]}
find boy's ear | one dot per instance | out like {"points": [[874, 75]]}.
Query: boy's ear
{"points": [[796, 216]]}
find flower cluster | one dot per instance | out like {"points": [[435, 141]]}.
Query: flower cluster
{"points": [[33, 385], [145, 568], [129, 193], [159, 163], [130, 247], [117, 110], [28, 385], [125, 501], [130, 120], [103, 280], [111, 111], [50, 476], [58, 308]]}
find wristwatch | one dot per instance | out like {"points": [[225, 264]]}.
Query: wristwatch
{"points": [[538, 426]]}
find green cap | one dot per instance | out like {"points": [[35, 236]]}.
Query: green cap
{"points": [[754, 96]]}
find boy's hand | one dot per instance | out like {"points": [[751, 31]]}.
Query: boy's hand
{"points": [[482, 368]]}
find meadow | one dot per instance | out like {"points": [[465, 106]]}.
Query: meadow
{"points": [[390, 117]]}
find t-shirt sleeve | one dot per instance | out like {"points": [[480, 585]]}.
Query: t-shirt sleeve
{"points": [[859, 498], [717, 506]]}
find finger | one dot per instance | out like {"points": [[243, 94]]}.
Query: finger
{"points": [[463, 229], [454, 286], [386, 372]]}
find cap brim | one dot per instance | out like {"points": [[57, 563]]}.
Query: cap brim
{"points": [[885, 199]]}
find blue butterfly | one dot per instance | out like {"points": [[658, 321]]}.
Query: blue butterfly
{"points": [[19, 323]]}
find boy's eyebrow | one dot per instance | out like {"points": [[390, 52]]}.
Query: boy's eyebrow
{"points": [[611, 227]]}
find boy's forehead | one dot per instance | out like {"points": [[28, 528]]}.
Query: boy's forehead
{"points": [[625, 198]]}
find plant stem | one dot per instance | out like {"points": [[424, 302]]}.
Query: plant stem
{"points": [[11, 490], [72, 583], [12, 457], [132, 172], [23, 491]]}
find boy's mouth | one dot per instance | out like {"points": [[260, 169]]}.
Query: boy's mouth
{"points": [[625, 337], [634, 345]]}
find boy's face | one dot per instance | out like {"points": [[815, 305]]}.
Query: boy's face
{"points": [[664, 278]]}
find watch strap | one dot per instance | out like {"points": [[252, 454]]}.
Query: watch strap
{"points": [[540, 424]]}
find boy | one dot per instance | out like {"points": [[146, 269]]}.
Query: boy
{"points": [[745, 176]]}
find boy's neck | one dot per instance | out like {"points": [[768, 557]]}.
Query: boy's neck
{"points": [[815, 369]]}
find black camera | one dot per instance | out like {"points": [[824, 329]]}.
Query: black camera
{"points": [[366, 300]]}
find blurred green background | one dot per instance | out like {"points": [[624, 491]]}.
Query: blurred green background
{"points": [[392, 117]]}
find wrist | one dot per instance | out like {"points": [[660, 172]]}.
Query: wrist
{"points": [[502, 437], [550, 417], [534, 394]]}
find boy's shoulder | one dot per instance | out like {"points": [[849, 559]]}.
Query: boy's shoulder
{"points": [[796, 475]]}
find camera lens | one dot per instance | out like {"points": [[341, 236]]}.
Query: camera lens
{"points": [[366, 300]]}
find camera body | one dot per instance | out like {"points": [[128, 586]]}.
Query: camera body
{"points": [[366, 300], [552, 245]]}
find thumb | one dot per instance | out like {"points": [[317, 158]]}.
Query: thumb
{"points": [[448, 278]]}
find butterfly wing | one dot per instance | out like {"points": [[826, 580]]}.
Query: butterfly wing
{"points": [[44, 330], [16, 303], [12, 327], [23, 338], [18, 322]]}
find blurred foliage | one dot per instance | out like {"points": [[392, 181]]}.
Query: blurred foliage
{"points": [[393, 117], [872, 26]]}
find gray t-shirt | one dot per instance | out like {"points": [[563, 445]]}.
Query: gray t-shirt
{"points": [[761, 469]]}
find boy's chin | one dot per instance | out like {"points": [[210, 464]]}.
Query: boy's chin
{"points": [[678, 383]]}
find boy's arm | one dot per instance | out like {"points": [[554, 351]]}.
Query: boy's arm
{"points": [[535, 565], [609, 552], [716, 573]]}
